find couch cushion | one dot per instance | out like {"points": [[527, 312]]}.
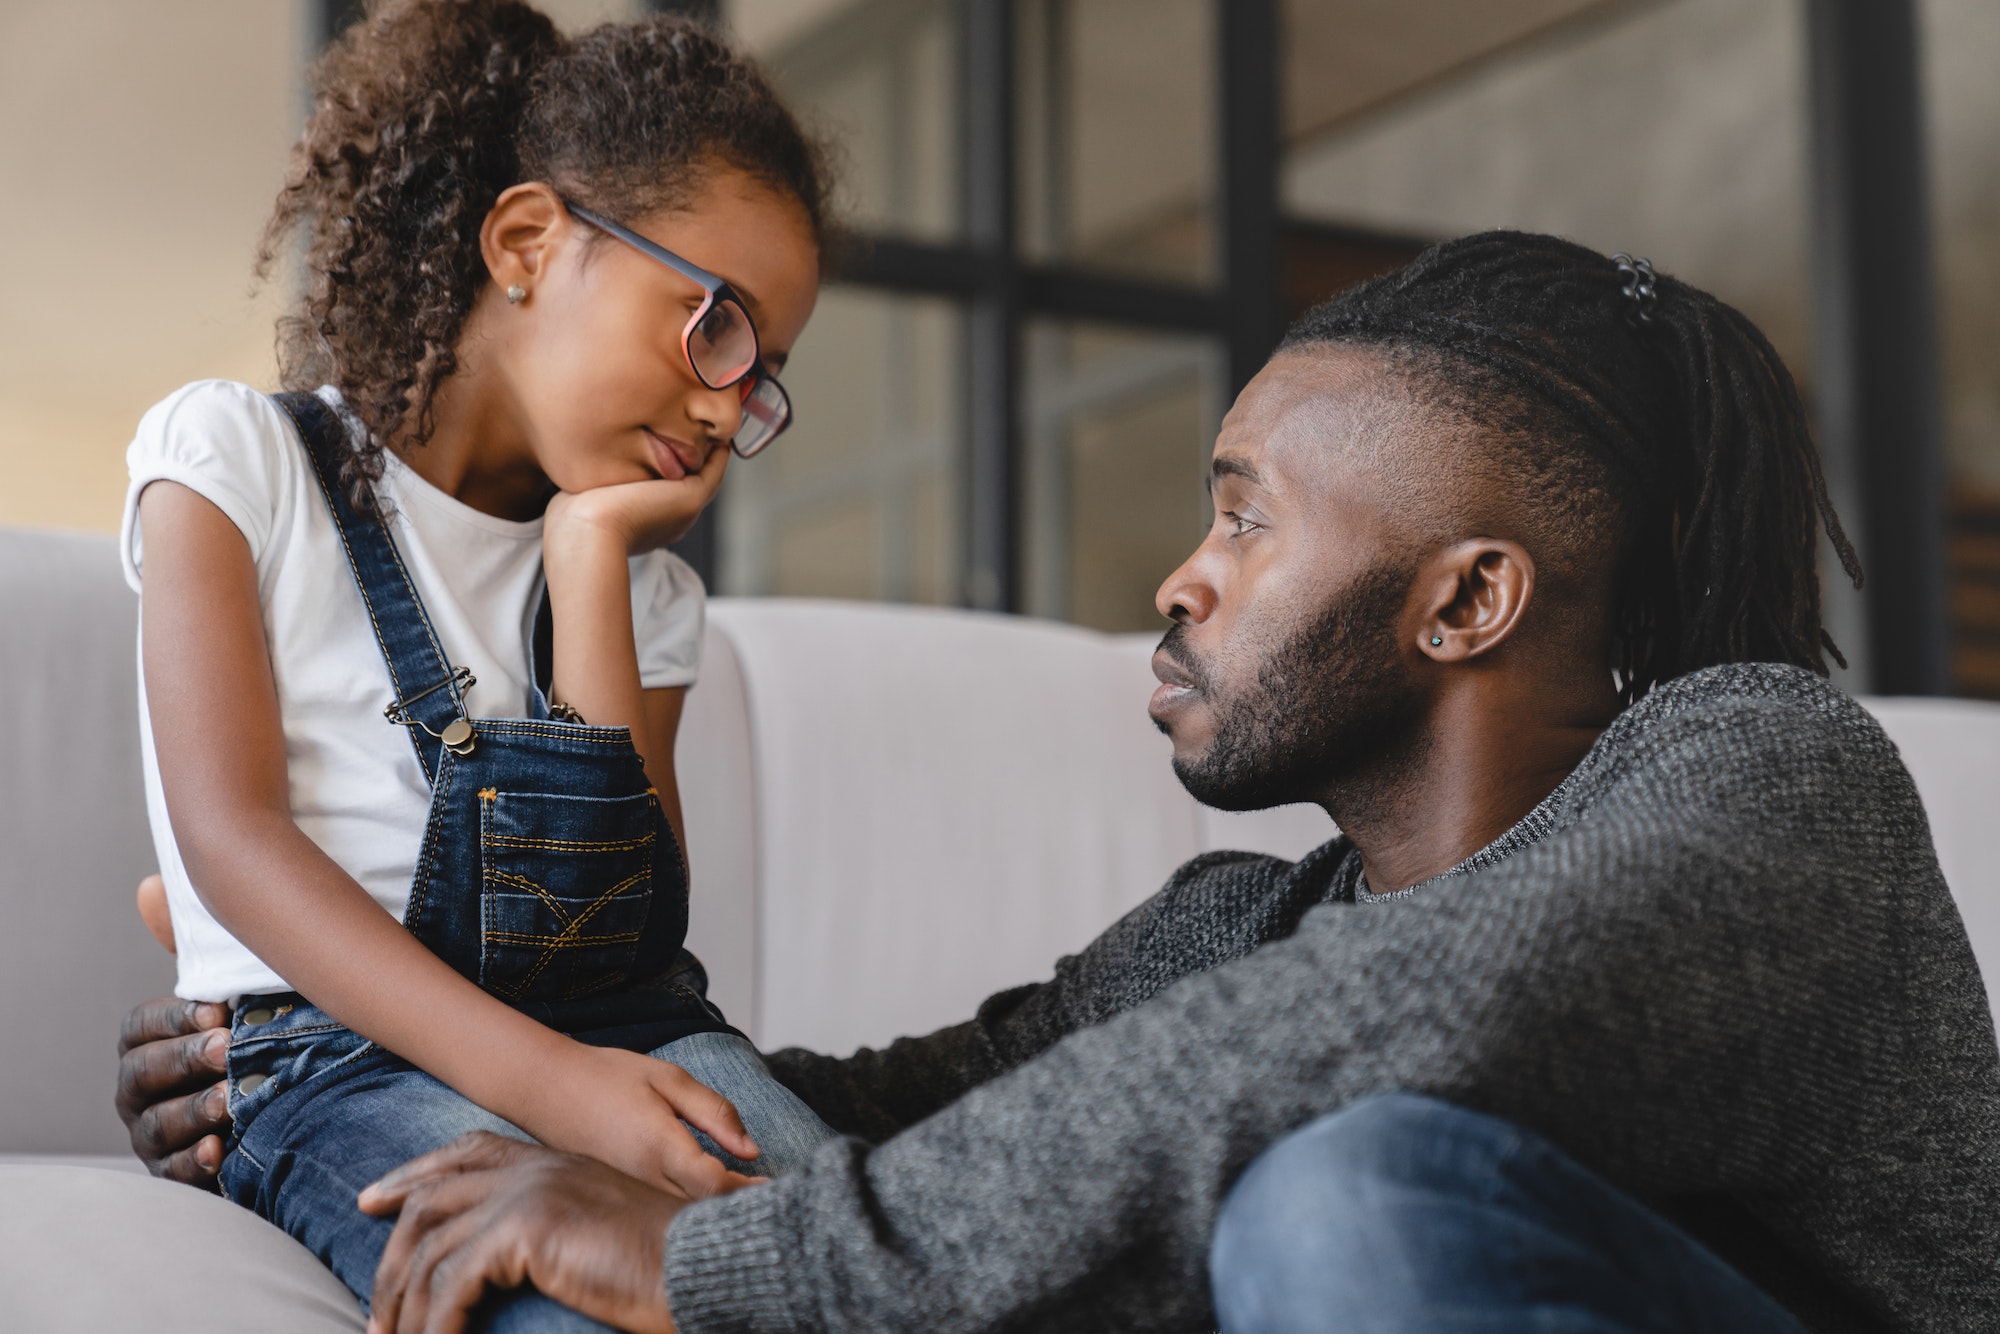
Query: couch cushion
{"points": [[1952, 749], [1080, 759], [712, 767], [169, 1260], [73, 840], [945, 801]]}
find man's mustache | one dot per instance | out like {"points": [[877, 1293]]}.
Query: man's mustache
{"points": [[1174, 646]]}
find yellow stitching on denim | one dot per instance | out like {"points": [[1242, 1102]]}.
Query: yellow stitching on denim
{"points": [[568, 845], [548, 955], [556, 905], [562, 941], [423, 620], [609, 736], [346, 546], [413, 912], [569, 926], [522, 882], [573, 731], [367, 602], [423, 617], [673, 839], [488, 793], [607, 896]]}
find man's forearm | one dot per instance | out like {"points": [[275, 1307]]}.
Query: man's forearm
{"points": [[874, 1094]]}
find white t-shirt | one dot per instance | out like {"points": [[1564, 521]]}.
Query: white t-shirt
{"points": [[356, 787]]}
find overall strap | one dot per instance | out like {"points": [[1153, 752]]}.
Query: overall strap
{"points": [[428, 694]]}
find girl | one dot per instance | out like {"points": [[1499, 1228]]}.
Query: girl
{"points": [[417, 817]]}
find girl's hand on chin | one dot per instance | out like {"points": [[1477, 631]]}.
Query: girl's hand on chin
{"points": [[641, 516]]}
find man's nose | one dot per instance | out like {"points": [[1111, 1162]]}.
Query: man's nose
{"points": [[1186, 597]]}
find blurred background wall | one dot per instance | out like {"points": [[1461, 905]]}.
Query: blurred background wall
{"points": [[1083, 221]]}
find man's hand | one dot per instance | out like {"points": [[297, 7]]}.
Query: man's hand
{"points": [[172, 1060], [490, 1212]]}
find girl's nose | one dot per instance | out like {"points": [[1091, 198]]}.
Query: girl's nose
{"points": [[720, 411]]}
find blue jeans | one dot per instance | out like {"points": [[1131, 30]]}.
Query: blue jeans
{"points": [[348, 1112], [1405, 1215]]}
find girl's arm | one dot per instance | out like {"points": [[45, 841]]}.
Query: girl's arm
{"points": [[220, 742], [596, 654], [587, 541]]}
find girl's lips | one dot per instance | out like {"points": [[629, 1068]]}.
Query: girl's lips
{"points": [[675, 459]]}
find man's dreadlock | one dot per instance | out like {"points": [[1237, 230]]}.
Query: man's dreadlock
{"points": [[1686, 419]]}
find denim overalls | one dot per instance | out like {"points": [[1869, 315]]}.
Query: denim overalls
{"points": [[548, 875]]}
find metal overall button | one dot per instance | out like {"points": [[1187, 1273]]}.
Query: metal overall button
{"points": [[249, 1084], [260, 1016], [458, 737]]}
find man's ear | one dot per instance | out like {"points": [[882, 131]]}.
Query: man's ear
{"points": [[518, 233], [1473, 595]]}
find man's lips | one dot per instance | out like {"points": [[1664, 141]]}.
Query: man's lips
{"points": [[1176, 684], [673, 458]]}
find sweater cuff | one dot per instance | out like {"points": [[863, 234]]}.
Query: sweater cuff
{"points": [[727, 1270]]}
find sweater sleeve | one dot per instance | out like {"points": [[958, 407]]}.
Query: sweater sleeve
{"points": [[1239, 899], [1667, 987]]}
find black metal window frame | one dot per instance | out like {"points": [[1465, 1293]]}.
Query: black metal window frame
{"points": [[1874, 305], [1875, 314], [1001, 290]]}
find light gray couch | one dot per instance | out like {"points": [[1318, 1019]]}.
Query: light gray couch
{"points": [[892, 813]]}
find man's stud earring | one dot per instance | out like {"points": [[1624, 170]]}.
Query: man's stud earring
{"points": [[516, 295], [1437, 641]]}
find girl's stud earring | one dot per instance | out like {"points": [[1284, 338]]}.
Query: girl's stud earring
{"points": [[516, 295], [1437, 641]]}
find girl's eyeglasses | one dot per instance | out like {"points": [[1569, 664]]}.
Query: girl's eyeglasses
{"points": [[720, 343]]}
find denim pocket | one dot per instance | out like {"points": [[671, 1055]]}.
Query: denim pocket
{"points": [[566, 885]]}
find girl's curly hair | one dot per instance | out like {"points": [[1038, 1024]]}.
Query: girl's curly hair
{"points": [[424, 112]]}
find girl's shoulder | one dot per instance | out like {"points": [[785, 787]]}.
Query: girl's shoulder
{"points": [[223, 426], [228, 442], [212, 403]]}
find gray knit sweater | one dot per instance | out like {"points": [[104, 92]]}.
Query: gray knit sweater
{"points": [[1719, 965]]}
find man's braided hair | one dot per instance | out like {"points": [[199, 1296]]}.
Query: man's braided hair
{"points": [[1684, 425]]}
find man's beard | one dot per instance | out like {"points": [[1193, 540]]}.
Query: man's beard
{"points": [[1333, 700]]}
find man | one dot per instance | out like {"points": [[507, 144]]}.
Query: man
{"points": [[1631, 997]]}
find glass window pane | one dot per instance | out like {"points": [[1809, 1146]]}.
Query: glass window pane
{"points": [[1119, 119], [879, 78], [1963, 104], [579, 15], [1676, 132], [861, 497], [1119, 426]]}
